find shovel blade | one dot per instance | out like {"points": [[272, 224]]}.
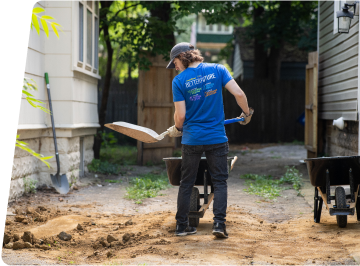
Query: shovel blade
{"points": [[60, 183]]}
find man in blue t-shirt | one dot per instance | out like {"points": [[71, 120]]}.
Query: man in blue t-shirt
{"points": [[199, 119]]}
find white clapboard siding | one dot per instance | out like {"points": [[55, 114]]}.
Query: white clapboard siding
{"points": [[338, 68]]}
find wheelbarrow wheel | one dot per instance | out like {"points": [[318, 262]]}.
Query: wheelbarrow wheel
{"points": [[340, 202], [194, 203]]}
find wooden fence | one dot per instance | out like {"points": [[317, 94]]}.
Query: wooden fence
{"points": [[276, 112], [274, 120]]}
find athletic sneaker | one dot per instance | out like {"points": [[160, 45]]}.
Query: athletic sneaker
{"points": [[183, 230], [219, 230]]}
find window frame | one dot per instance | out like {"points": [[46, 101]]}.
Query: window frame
{"points": [[84, 66]]}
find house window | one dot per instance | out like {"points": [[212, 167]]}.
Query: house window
{"points": [[89, 39], [81, 32], [227, 28], [219, 27], [89, 35], [211, 27]]}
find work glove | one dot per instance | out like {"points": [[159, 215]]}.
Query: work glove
{"points": [[246, 117], [174, 132]]}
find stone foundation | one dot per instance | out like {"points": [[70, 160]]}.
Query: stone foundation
{"points": [[341, 142], [27, 166]]}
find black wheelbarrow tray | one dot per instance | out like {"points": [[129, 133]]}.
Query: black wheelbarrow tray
{"points": [[335, 172], [203, 178]]}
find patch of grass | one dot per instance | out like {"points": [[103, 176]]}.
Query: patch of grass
{"points": [[121, 155], [276, 157], [112, 181], [270, 188], [103, 167], [146, 186]]}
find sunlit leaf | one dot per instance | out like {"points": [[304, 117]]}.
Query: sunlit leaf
{"points": [[45, 27], [54, 29], [38, 10], [46, 17], [35, 23]]}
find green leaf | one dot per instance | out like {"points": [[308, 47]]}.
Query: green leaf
{"points": [[45, 27], [38, 10], [27, 93], [57, 24], [54, 29], [35, 22], [34, 100], [46, 17]]}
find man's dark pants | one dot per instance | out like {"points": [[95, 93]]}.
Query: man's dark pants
{"points": [[216, 155]]}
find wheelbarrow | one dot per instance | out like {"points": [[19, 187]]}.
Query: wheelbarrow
{"points": [[203, 178], [337, 173]]}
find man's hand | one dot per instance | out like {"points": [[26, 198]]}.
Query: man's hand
{"points": [[174, 132], [246, 117]]}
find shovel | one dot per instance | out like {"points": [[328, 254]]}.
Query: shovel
{"points": [[146, 134], [60, 182]]}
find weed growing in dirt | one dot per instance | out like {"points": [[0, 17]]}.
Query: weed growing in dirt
{"points": [[293, 177], [113, 263], [270, 188], [147, 186], [73, 179], [29, 185], [262, 185], [112, 181], [103, 167]]}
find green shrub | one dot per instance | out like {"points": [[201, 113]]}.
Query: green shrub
{"points": [[103, 167], [122, 155]]}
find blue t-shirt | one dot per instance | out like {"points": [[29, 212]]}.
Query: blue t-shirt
{"points": [[201, 89]]}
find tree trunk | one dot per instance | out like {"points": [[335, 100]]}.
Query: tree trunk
{"points": [[274, 64], [162, 10], [107, 80], [275, 57], [260, 54]]}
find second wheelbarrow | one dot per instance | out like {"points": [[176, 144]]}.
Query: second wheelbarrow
{"points": [[339, 173]]}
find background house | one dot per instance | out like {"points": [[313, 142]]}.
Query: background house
{"points": [[338, 83], [72, 64]]}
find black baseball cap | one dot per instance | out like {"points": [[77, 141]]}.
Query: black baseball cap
{"points": [[178, 49]]}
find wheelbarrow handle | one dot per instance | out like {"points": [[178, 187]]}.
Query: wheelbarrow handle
{"points": [[233, 120], [233, 161]]}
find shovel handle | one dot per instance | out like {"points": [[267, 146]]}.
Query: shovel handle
{"points": [[233, 120]]}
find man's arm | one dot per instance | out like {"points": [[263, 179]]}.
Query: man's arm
{"points": [[239, 95], [179, 116]]}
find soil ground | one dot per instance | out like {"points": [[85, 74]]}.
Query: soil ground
{"points": [[279, 232]]}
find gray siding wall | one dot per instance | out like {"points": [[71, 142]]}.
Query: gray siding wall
{"points": [[338, 67]]}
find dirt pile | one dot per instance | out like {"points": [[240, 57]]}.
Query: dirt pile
{"points": [[150, 238]]}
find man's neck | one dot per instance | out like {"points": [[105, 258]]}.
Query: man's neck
{"points": [[194, 64]]}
